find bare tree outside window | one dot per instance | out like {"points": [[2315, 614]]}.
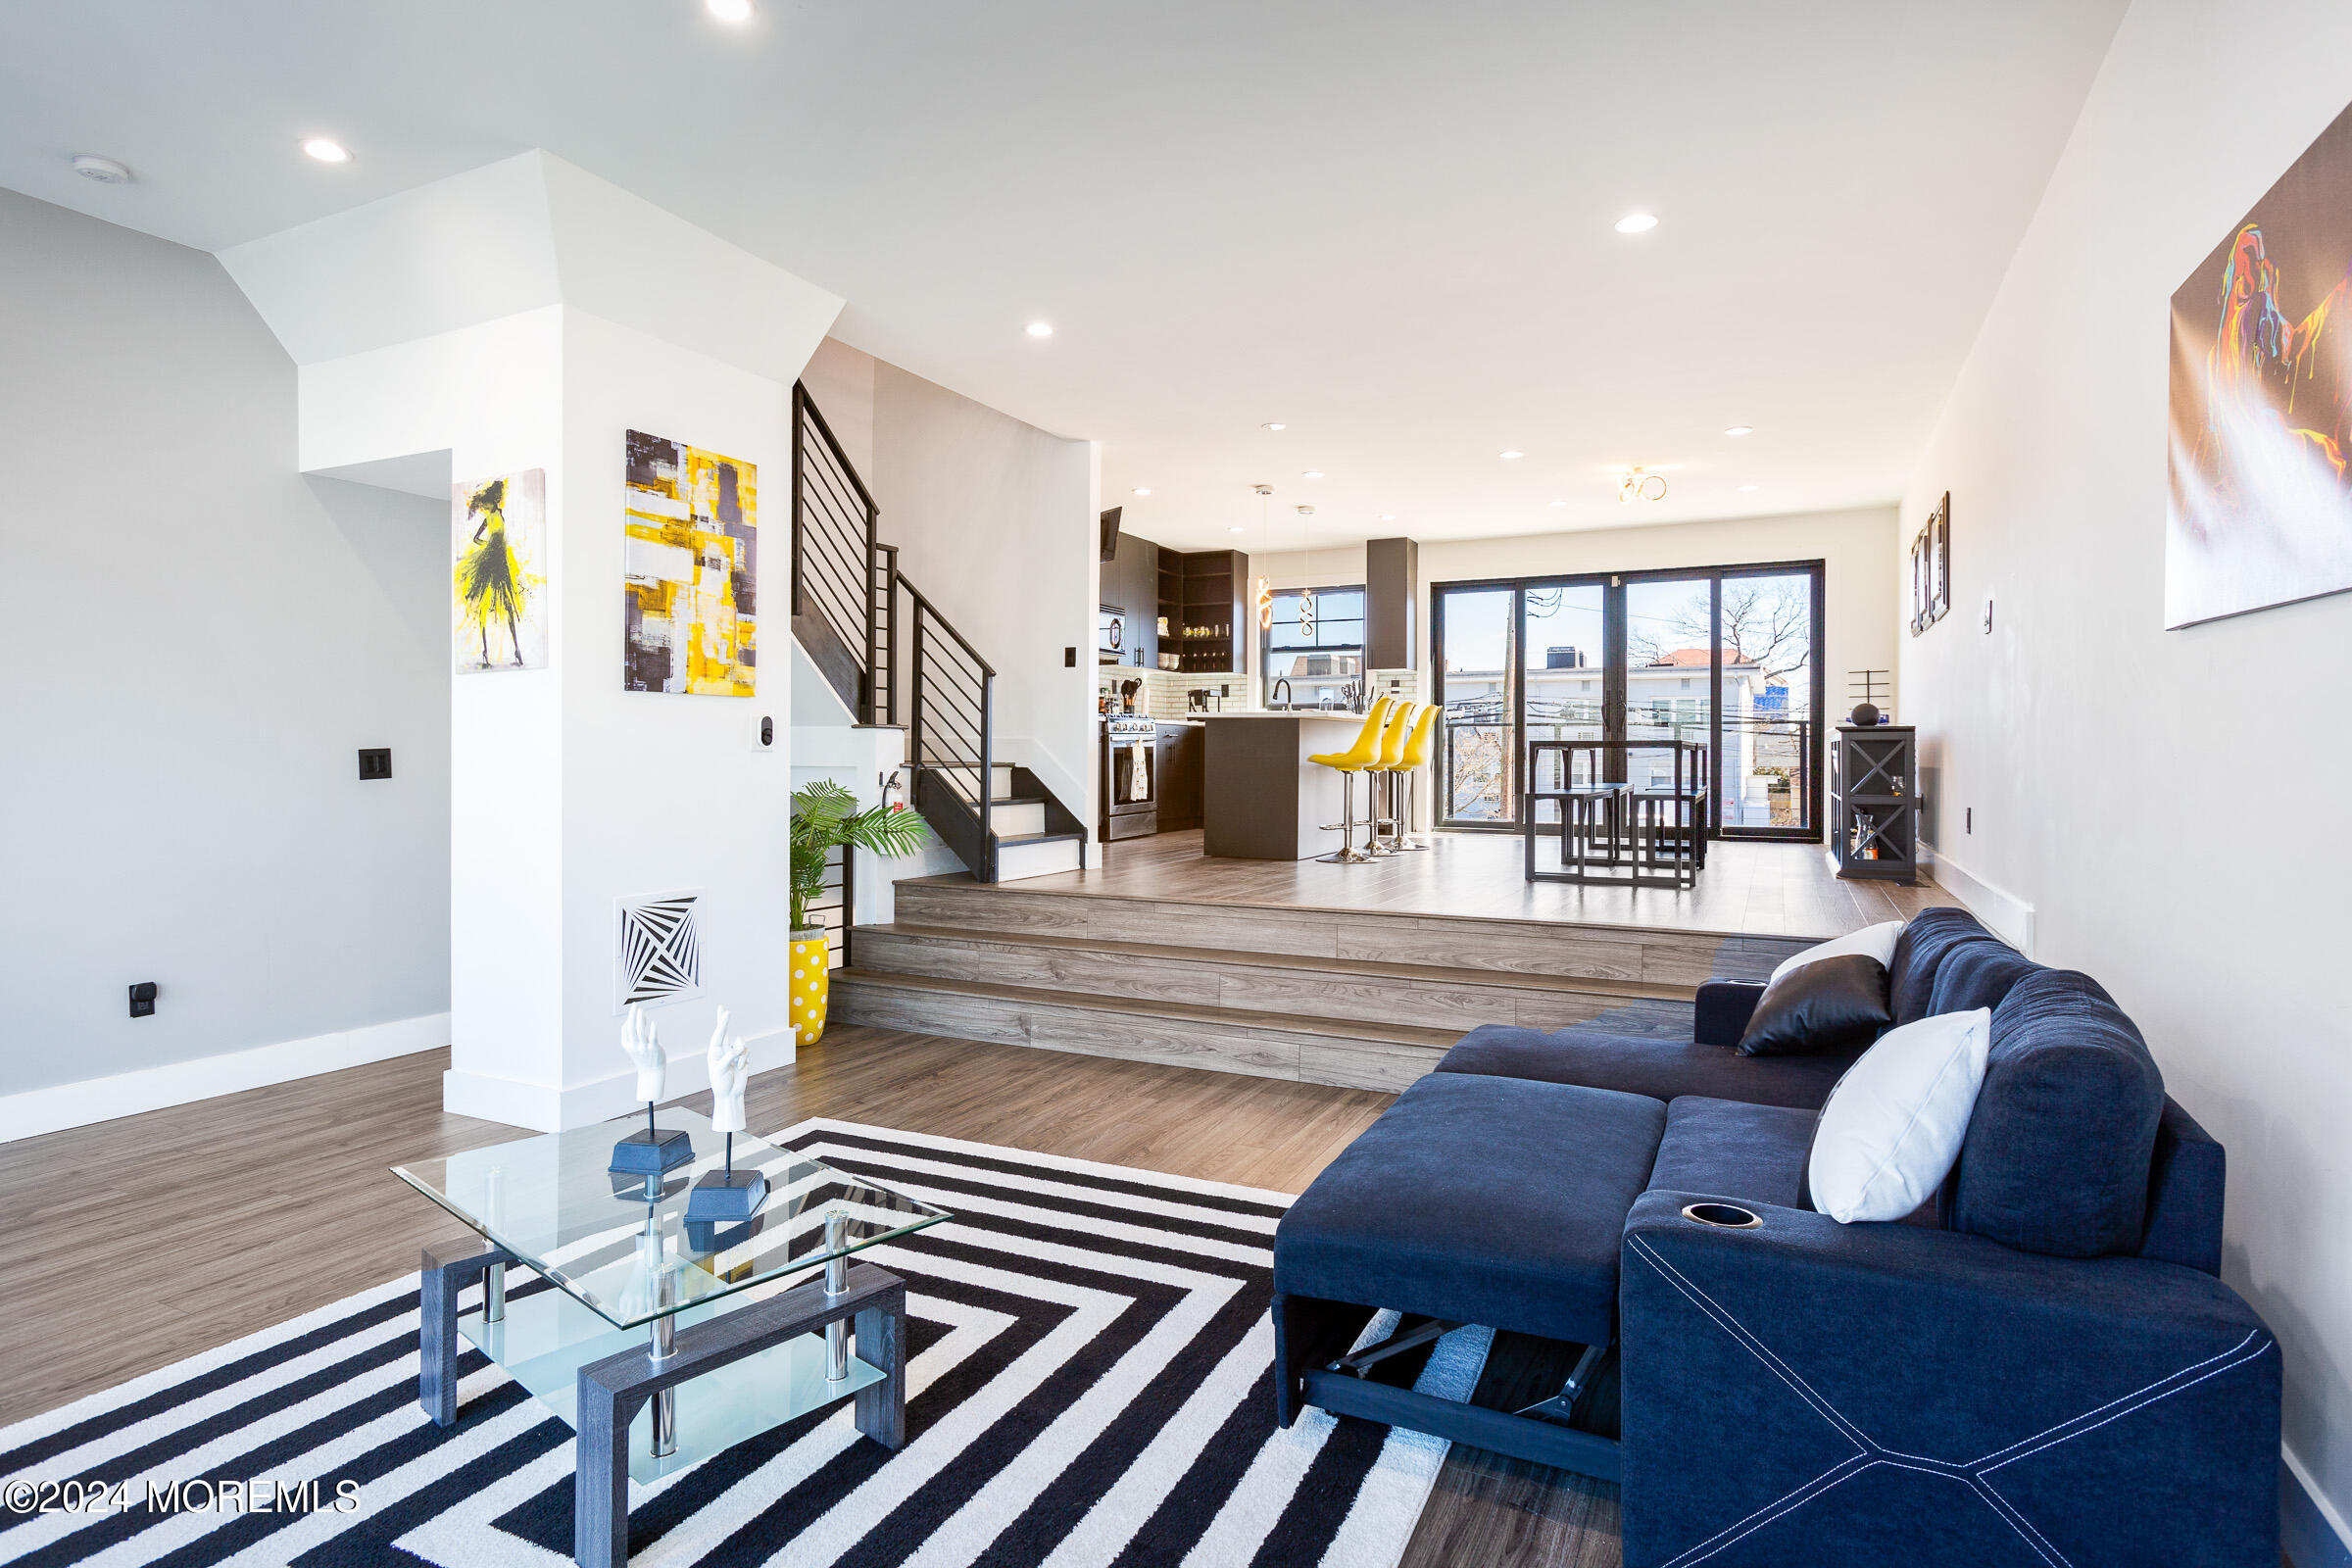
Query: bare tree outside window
{"points": [[1768, 623]]}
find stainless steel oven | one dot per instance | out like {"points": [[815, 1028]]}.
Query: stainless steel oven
{"points": [[1130, 782]]}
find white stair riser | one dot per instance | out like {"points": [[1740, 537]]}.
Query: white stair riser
{"points": [[1018, 861], [1012, 821]]}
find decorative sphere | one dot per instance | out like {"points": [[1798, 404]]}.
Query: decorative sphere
{"points": [[1865, 714]]}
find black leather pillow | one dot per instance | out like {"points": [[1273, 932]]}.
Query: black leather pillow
{"points": [[1829, 1005]]}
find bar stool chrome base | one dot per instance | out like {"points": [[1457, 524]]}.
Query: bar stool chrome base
{"points": [[1347, 853]]}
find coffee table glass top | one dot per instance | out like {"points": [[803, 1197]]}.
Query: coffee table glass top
{"points": [[606, 1239]]}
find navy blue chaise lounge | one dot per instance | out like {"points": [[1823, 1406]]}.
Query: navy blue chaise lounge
{"points": [[2040, 1367]]}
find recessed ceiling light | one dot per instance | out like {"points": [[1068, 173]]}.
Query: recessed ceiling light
{"points": [[1560, 503], [1636, 223], [1273, 428], [1312, 474], [1745, 488], [729, 9], [105, 171], [1141, 490], [1388, 516], [1040, 328], [326, 151], [1741, 430], [1236, 528], [1512, 456]]}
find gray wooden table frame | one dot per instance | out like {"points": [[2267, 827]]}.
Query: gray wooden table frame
{"points": [[612, 1390]]}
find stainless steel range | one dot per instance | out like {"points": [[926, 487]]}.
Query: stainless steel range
{"points": [[1130, 792]]}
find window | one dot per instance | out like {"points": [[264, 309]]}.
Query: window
{"points": [[1319, 662]]}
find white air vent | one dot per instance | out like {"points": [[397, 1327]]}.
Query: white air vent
{"points": [[660, 949]]}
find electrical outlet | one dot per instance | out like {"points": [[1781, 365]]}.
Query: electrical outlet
{"points": [[142, 1000], [763, 733], [1070, 658], [375, 761]]}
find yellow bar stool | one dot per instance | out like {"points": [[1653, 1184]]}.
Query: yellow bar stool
{"points": [[1393, 743], [1359, 758], [1416, 758]]}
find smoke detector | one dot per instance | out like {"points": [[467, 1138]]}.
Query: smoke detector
{"points": [[1307, 511], [1263, 489], [105, 171]]}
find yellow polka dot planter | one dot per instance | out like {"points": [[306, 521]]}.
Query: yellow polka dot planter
{"points": [[812, 982]]}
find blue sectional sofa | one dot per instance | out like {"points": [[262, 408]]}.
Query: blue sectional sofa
{"points": [[2042, 1366]]}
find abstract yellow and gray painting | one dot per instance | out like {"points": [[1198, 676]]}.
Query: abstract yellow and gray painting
{"points": [[500, 534], [689, 568]]}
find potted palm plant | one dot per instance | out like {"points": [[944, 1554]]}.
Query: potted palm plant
{"points": [[825, 818]]}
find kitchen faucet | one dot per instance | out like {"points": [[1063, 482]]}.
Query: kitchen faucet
{"points": [[1280, 696]]}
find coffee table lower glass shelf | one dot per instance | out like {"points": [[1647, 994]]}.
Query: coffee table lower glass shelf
{"points": [[547, 1337]]}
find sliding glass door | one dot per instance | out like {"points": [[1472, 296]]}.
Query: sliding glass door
{"points": [[1721, 657]]}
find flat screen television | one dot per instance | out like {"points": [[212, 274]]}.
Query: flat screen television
{"points": [[1110, 532]]}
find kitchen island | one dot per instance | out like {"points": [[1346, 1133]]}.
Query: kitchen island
{"points": [[1261, 798]]}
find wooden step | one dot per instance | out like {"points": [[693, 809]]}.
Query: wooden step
{"points": [[1421, 996], [1262, 1045], [1571, 950]]}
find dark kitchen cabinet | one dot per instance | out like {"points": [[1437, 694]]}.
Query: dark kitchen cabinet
{"points": [[1131, 581], [1212, 612], [1178, 751]]}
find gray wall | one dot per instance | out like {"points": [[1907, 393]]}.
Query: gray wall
{"points": [[199, 641]]}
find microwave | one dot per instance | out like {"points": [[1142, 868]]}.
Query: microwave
{"points": [[1113, 637]]}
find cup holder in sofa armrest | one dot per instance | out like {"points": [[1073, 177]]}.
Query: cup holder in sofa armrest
{"points": [[1722, 1216]]}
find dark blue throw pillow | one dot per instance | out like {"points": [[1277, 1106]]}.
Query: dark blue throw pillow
{"points": [[2057, 1152], [1927, 938]]}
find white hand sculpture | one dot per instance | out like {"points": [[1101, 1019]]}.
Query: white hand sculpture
{"points": [[644, 1046], [731, 1070]]}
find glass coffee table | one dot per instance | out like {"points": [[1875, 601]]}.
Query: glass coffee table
{"points": [[645, 1303]]}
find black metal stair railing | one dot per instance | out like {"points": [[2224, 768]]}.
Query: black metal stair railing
{"points": [[835, 613], [952, 734]]}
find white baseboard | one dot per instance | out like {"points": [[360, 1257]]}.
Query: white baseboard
{"points": [[2303, 1517], [2006, 914], [553, 1109], [180, 1083]]}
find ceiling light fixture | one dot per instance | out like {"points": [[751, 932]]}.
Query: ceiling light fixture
{"points": [[1040, 328], [326, 151], [1141, 490], [105, 171], [1236, 528], [1560, 503], [1388, 516], [1273, 428], [730, 11], [1640, 484], [1512, 456], [1741, 430], [1312, 474], [1745, 488], [1636, 223]]}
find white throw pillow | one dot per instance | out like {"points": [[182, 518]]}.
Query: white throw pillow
{"points": [[1894, 1125], [1878, 941]]}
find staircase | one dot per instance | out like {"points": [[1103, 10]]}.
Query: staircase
{"points": [[849, 603], [1357, 999]]}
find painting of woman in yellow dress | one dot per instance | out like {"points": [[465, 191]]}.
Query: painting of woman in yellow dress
{"points": [[501, 528]]}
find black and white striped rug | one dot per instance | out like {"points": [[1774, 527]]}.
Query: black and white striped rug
{"points": [[1089, 1384]]}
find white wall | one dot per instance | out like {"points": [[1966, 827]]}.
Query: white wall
{"points": [[202, 640], [2115, 769], [1856, 548]]}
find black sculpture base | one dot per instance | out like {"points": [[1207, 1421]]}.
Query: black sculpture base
{"points": [[726, 1196], [649, 1151]]}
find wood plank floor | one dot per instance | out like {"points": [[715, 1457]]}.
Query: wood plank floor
{"points": [[239, 1213], [1748, 888]]}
